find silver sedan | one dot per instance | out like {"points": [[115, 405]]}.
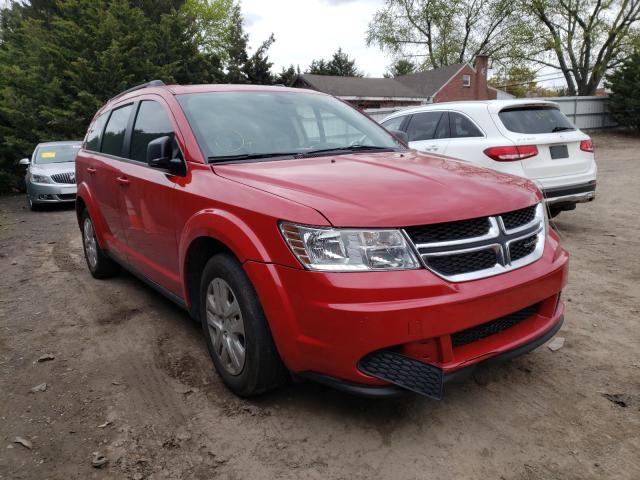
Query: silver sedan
{"points": [[51, 176]]}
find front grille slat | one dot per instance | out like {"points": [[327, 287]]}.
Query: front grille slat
{"points": [[518, 218], [66, 177], [521, 248], [473, 334], [480, 247], [463, 262], [449, 231]]}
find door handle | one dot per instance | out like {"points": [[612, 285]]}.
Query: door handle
{"points": [[91, 170], [123, 181]]}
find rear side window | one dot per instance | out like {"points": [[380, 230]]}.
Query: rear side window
{"points": [[462, 127], [423, 126], [535, 119], [394, 123], [152, 122], [113, 138], [95, 133]]}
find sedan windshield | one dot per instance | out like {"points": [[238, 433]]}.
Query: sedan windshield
{"points": [[231, 126], [56, 153]]}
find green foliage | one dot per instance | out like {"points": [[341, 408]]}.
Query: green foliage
{"points": [[443, 32], [518, 81], [287, 76], [339, 65], [257, 68], [61, 61], [624, 102], [400, 67], [237, 49], [212, 24]]}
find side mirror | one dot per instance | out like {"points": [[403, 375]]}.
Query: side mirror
{"points": [[160, 155], [24, 161], [400, 135]]}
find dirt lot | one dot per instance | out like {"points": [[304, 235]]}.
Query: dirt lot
{"points": [[131, 377]]}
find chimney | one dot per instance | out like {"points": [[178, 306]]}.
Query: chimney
{"points": [[481, 65]]}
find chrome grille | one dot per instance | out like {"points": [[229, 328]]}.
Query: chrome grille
{"points": [[66, 177], [481, 247]]}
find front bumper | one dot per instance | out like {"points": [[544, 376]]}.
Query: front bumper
{"points": [[51, 192], [385, 391], [325, 323]]}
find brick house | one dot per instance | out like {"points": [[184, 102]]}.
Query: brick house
{"points": [[460, 81]]}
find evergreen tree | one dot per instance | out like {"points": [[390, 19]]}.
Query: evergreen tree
{"points": [[258, 67], [624, 102], [339, 65], [399, 68], [60, 61], [237, 49], [287, 76]]}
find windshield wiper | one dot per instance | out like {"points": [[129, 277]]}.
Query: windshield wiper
{"points": [[350, 148], [560, 129], [249, 156]]}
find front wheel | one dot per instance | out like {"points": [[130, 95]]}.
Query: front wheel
{"points": [[236, 330], [100, 265]]}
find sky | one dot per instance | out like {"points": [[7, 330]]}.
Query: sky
{"points": [[313, 29]]}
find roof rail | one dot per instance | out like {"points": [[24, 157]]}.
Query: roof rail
{"points": [[152, 83]]}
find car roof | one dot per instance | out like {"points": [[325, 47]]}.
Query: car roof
{"points": [[61, 142], [470, 105]]}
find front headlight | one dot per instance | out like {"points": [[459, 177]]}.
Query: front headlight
{"points": [[37, 178], [349, 250]]}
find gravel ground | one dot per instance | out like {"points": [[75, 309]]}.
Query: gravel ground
{"points": [[130, 377]]}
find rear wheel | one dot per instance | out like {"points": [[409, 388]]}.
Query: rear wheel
{"points": [[100, 265], [236, 330]]}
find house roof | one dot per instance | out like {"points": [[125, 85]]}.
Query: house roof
{"points": [[427, 84], [359, 87]]}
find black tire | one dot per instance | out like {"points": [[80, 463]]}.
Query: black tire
{"points": [[34, 207], [262, 368], [100, 266]]}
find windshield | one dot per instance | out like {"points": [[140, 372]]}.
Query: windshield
{"points": [[535, 119], [56, 153], [236, 125]]}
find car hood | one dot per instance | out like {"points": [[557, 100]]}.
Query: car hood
{"points": [[387, 189], [53, 168]]}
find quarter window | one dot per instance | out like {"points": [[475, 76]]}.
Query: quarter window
{"points": [[95, 133], [462, 127], [394, 123], [152, 122], [423, 126], [113, 138]]}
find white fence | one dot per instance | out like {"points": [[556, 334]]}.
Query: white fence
{"points": [[584, 112]]}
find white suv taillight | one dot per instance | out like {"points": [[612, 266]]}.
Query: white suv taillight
{"points": [[511, 153], [587, 146]]}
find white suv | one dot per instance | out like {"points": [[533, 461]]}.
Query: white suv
{"points": [[529, 138]]}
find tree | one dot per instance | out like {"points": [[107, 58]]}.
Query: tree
{"points": [[287, 76], [583, 39], [400, 67], [339, 65], [58, 66], [258, 67], [518, 81], [212, 24], [237, 48], [444, 32], [624, 102]]}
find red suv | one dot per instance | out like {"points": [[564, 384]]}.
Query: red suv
{"points": [[309, 241]]}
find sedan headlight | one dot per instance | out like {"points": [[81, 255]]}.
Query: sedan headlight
{"points": [[349, 250], [38, 178]]}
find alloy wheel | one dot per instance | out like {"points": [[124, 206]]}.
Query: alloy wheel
{"points": [[90, 243], [226, 326]]}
